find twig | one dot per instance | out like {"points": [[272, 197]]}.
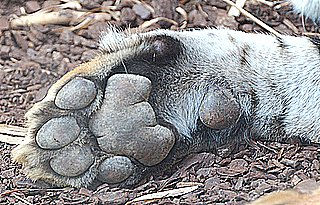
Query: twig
{"points": [[21, 199], [40, 18], [279, 6], [188, 184], [164, 194], [311, 34], [64, 17], [6, 193], [147, 6], [12, 130], [268, 3], [266, 147], [253, 18], [11, 139], [290, 25], [233, 11], [147, 24], [12, 134]]}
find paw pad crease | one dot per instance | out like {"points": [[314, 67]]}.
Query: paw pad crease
{"points": [[110, 119], [148, 145]]}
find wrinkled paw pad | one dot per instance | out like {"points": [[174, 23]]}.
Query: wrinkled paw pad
{"points": [[124, 128]]}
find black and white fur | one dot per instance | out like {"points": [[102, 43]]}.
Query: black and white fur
{"points": [[275, 80]]}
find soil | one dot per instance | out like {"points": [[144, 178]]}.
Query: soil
{"points": [[33, 57]]}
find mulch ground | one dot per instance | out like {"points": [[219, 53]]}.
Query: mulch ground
{"points": [[33, 58]]}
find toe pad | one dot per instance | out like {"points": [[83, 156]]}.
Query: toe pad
{"points": [[115, 169], [73, 161], [219, 110], [57, 133], [76, 94]]}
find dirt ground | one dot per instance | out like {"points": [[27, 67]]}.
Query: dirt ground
{"points": [[33, 57]]}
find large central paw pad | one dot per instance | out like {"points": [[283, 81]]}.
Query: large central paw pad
{"points": [[126, 123], [80, 139]]}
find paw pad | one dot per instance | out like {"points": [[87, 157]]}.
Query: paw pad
{"points": [[129, 129], [57, 133], [76, 94], [117, 130], [115, 169], [72, 161], [219, 109]]}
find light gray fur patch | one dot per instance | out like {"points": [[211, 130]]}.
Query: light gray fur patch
{"points": [[184, 112]]}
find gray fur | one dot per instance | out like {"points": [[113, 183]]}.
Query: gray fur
{"points": [[279, 74]]}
